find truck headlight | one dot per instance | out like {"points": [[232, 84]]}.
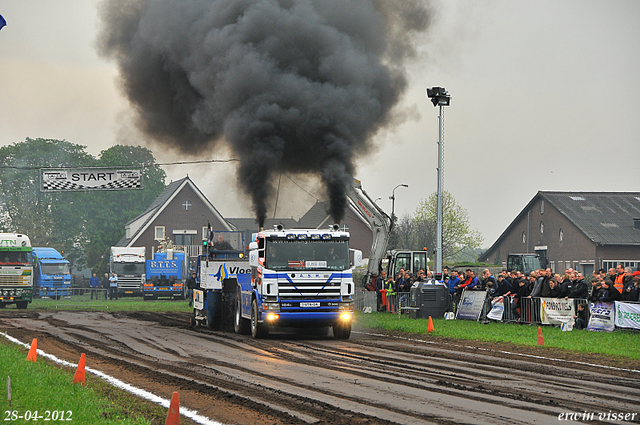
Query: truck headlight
{"points": [[345, 306], [272, 316], [346, 317], [271, 306]]}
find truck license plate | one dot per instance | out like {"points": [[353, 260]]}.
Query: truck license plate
{"points": [[128, 292], [310, 304]]}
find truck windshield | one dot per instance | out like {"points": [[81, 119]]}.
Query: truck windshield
{"points": [[54, 269], [15, 257], [135, 269], [282, 254]]}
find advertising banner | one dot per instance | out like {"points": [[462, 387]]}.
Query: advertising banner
{"points": [[556, 311], [497, 309], [627, 315], [470, 305], [70, 179], [602, 317]]}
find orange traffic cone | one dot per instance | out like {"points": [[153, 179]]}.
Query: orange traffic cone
{"points": [[79, 376], [540, 338], [430, 328], [173, 415], [32, 356]]}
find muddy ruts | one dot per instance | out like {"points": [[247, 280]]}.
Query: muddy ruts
{"points": [[295, 86]]}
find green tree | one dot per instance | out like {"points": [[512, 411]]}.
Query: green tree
{"points": [[457, 236], [43, 216], [81, 224], [414, 235]]}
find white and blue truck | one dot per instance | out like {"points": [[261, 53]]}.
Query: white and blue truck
{"points": [[166, 276], [292, 278], [52, 277]]}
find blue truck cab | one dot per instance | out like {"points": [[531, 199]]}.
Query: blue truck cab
{"points": [[52, 276], [166, 276], [299, 278]]}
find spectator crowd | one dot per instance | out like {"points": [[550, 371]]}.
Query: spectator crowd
{"points": [[619, 284]]}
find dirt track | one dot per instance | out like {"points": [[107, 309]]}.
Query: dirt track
{"points": [[289, 378]]}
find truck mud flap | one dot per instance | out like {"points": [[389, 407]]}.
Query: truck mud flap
{"points": [[229, 294]]}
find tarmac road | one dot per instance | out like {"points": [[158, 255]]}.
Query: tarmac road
{"points": [[307, 377]]}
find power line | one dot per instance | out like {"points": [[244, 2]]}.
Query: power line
{"points": [[204, 161], [302, 188]]}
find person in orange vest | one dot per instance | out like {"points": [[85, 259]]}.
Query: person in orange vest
{"points": [[618, 281]]}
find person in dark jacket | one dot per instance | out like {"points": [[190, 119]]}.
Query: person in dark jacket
{"points": [[609, 293], [105, 285], [487, 278], [380, 282], [554, 288], [632, 293], [581, 316], [579, 289]]}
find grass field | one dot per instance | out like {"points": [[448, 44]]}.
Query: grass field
{"points": [[619, 343], [47, 389], [121, 304]]}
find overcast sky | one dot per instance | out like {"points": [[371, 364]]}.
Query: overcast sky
{"points": [[545, 96]]}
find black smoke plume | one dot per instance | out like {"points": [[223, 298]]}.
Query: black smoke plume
{"points": [[297, 86]]}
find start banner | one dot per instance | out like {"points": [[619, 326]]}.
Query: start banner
{"points": [[70, 179], [627, 315], [556, 311], [602, 317]]}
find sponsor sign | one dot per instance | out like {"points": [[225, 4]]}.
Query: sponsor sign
{"points": [[556, 311], [602, 317], [213, 273], [168, 267], [470, 305], [70, 179], [497, 309], [627, 315]]}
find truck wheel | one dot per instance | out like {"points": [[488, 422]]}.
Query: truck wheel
{"points": [[22, 305], [258, 330], [342, 330], [241, 325]]}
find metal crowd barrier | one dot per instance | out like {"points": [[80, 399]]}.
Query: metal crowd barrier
{"points": [[83, 297], [364, 299]]}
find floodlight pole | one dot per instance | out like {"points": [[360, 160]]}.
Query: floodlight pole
{"points": [[439, 97], [438, 265]]}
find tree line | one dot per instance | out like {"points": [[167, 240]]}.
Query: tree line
{"points": [[460, 243], [84, 224]]}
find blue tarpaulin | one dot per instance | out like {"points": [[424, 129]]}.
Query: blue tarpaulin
{"points": [[2, 22]]}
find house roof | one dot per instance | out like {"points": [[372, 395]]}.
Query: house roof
{"points": [[606, 218], [138, 225], [316, 216]]}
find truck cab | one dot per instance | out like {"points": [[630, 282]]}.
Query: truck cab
{"points": [[219, 270], [525, 263], [299, 278], [128, 263], [16, 270], [52, 276]]}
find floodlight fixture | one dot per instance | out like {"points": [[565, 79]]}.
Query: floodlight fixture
{"points": [[439, 96]]}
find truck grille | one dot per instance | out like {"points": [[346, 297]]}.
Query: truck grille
{"points": [[129, 283], [304, 289], [13, 280]]}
